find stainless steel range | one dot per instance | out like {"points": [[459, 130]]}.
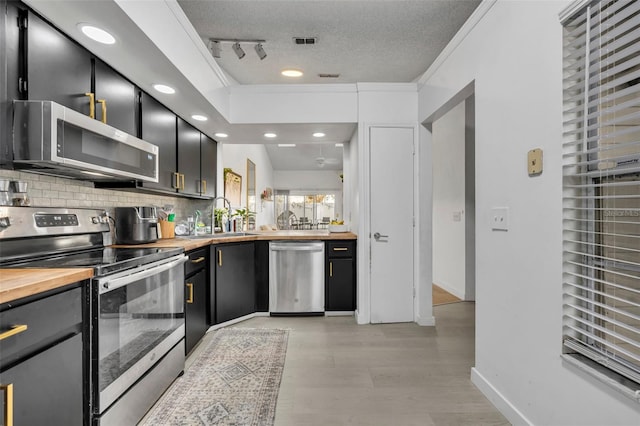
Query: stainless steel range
{"points": [[136, 303]]}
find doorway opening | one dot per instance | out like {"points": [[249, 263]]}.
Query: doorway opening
{"points": [[453, 215]]}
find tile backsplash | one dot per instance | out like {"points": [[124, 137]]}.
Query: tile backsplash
{"points": [[49, 191]]}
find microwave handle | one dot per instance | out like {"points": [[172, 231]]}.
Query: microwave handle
{"points": [[108, 284]]}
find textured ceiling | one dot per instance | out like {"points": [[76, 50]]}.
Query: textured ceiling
{"points": [[363, 41]]}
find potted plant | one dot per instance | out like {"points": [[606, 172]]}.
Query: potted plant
{"points": [[219, 215]]}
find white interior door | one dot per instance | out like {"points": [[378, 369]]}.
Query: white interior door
{"points": [[392, 228]]}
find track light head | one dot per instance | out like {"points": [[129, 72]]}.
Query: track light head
{"points": [[260, 51], [239, 52], [214, 45]]}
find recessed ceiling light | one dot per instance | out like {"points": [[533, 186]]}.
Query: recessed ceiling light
{"points": [[199, 117], [221, 135], [292, 73], [286, 145], [97, 34], [339, 145], [319, 135], [270, 135], [163, 88]]}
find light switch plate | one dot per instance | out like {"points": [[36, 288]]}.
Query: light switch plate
{"points": [[500, 218], [534, 161]]}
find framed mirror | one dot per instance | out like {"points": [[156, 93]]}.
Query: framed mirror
{"points": [[251, 193]]}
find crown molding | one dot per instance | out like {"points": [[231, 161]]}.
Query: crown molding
{"points": [[464, 31]]}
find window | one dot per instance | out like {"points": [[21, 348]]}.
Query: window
{"points": [[601, 187], [298, 210]]}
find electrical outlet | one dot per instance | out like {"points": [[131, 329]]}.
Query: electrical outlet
{"points": [[500, 218]]}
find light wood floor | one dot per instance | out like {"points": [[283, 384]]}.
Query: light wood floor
{"points": [[441, 296], [339, 373]]}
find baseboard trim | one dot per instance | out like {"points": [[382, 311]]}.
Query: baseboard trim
{"points": [[503, 405], [426, 322], [339, 313]]}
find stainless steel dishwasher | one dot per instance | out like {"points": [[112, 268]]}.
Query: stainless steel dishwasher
{"points": [[296, 278]]}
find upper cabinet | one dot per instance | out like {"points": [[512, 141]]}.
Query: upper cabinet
{"points": [[188, 158], [196, 161], [58, 69], [51, 66], [158, 126], [116, 99], [54, 68], [208, 160]]}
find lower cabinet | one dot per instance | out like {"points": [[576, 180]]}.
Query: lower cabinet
{"points": [[340, 276], [235, 281], [196, 297], [43, 360]]}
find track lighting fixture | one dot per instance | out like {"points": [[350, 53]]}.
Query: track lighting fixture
{"points": [[260, 51], [239, 52], [215, 48], [215, 45]]}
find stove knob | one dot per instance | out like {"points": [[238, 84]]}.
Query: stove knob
{"points": [[5, 222], [95, 220]]}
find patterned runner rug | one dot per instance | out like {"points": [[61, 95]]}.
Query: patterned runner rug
{"points": [[234, 381]]}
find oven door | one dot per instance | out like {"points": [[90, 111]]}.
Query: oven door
{"points": [[138, 317]]}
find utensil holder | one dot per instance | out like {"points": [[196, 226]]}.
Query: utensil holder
{"points": [[167, 229]]}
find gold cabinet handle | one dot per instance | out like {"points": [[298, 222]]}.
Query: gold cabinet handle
{"points": [[219, 257], [190, 287], [340, 249], [182, 181], [103, 103], [16, 329], [92, 104], [198, 260], [8, 403], [176, 175], [331, 269], [204, 186]]}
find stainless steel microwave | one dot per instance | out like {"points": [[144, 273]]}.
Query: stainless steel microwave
{"points": [[51, 139]]}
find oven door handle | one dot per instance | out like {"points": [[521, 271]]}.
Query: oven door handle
{"points": [[108, 284]]}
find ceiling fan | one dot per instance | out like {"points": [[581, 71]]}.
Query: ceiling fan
{"points": [[321, 160]]}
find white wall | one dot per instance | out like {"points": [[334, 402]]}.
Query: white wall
{"points": [[307, 180], [235, 157], [449, 201], [514, 54]]}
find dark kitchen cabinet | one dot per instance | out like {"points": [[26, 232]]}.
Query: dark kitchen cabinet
{"points": [[340, 276], [196, 161], [60, 70], [116, 97], [158, 126], [44, 366], [235, 281], [262, 276], [208, 160], [188, 158], [53, 67], [196, 296]]}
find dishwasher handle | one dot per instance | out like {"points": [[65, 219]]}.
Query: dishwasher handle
{"points": [[297, 247]]}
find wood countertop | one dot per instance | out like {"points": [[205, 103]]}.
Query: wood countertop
{"points": [[18, 283], [189, 244]]}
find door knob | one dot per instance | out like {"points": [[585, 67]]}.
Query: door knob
{"points": [[377, 236]]}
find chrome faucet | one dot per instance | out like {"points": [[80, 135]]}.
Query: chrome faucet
{"points": [[213, 212]]}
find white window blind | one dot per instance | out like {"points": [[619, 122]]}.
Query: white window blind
{"points": [[601, 187]]}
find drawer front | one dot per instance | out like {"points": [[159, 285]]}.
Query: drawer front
{"points": [[197, 260], [47, 321], [341, 248]]}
